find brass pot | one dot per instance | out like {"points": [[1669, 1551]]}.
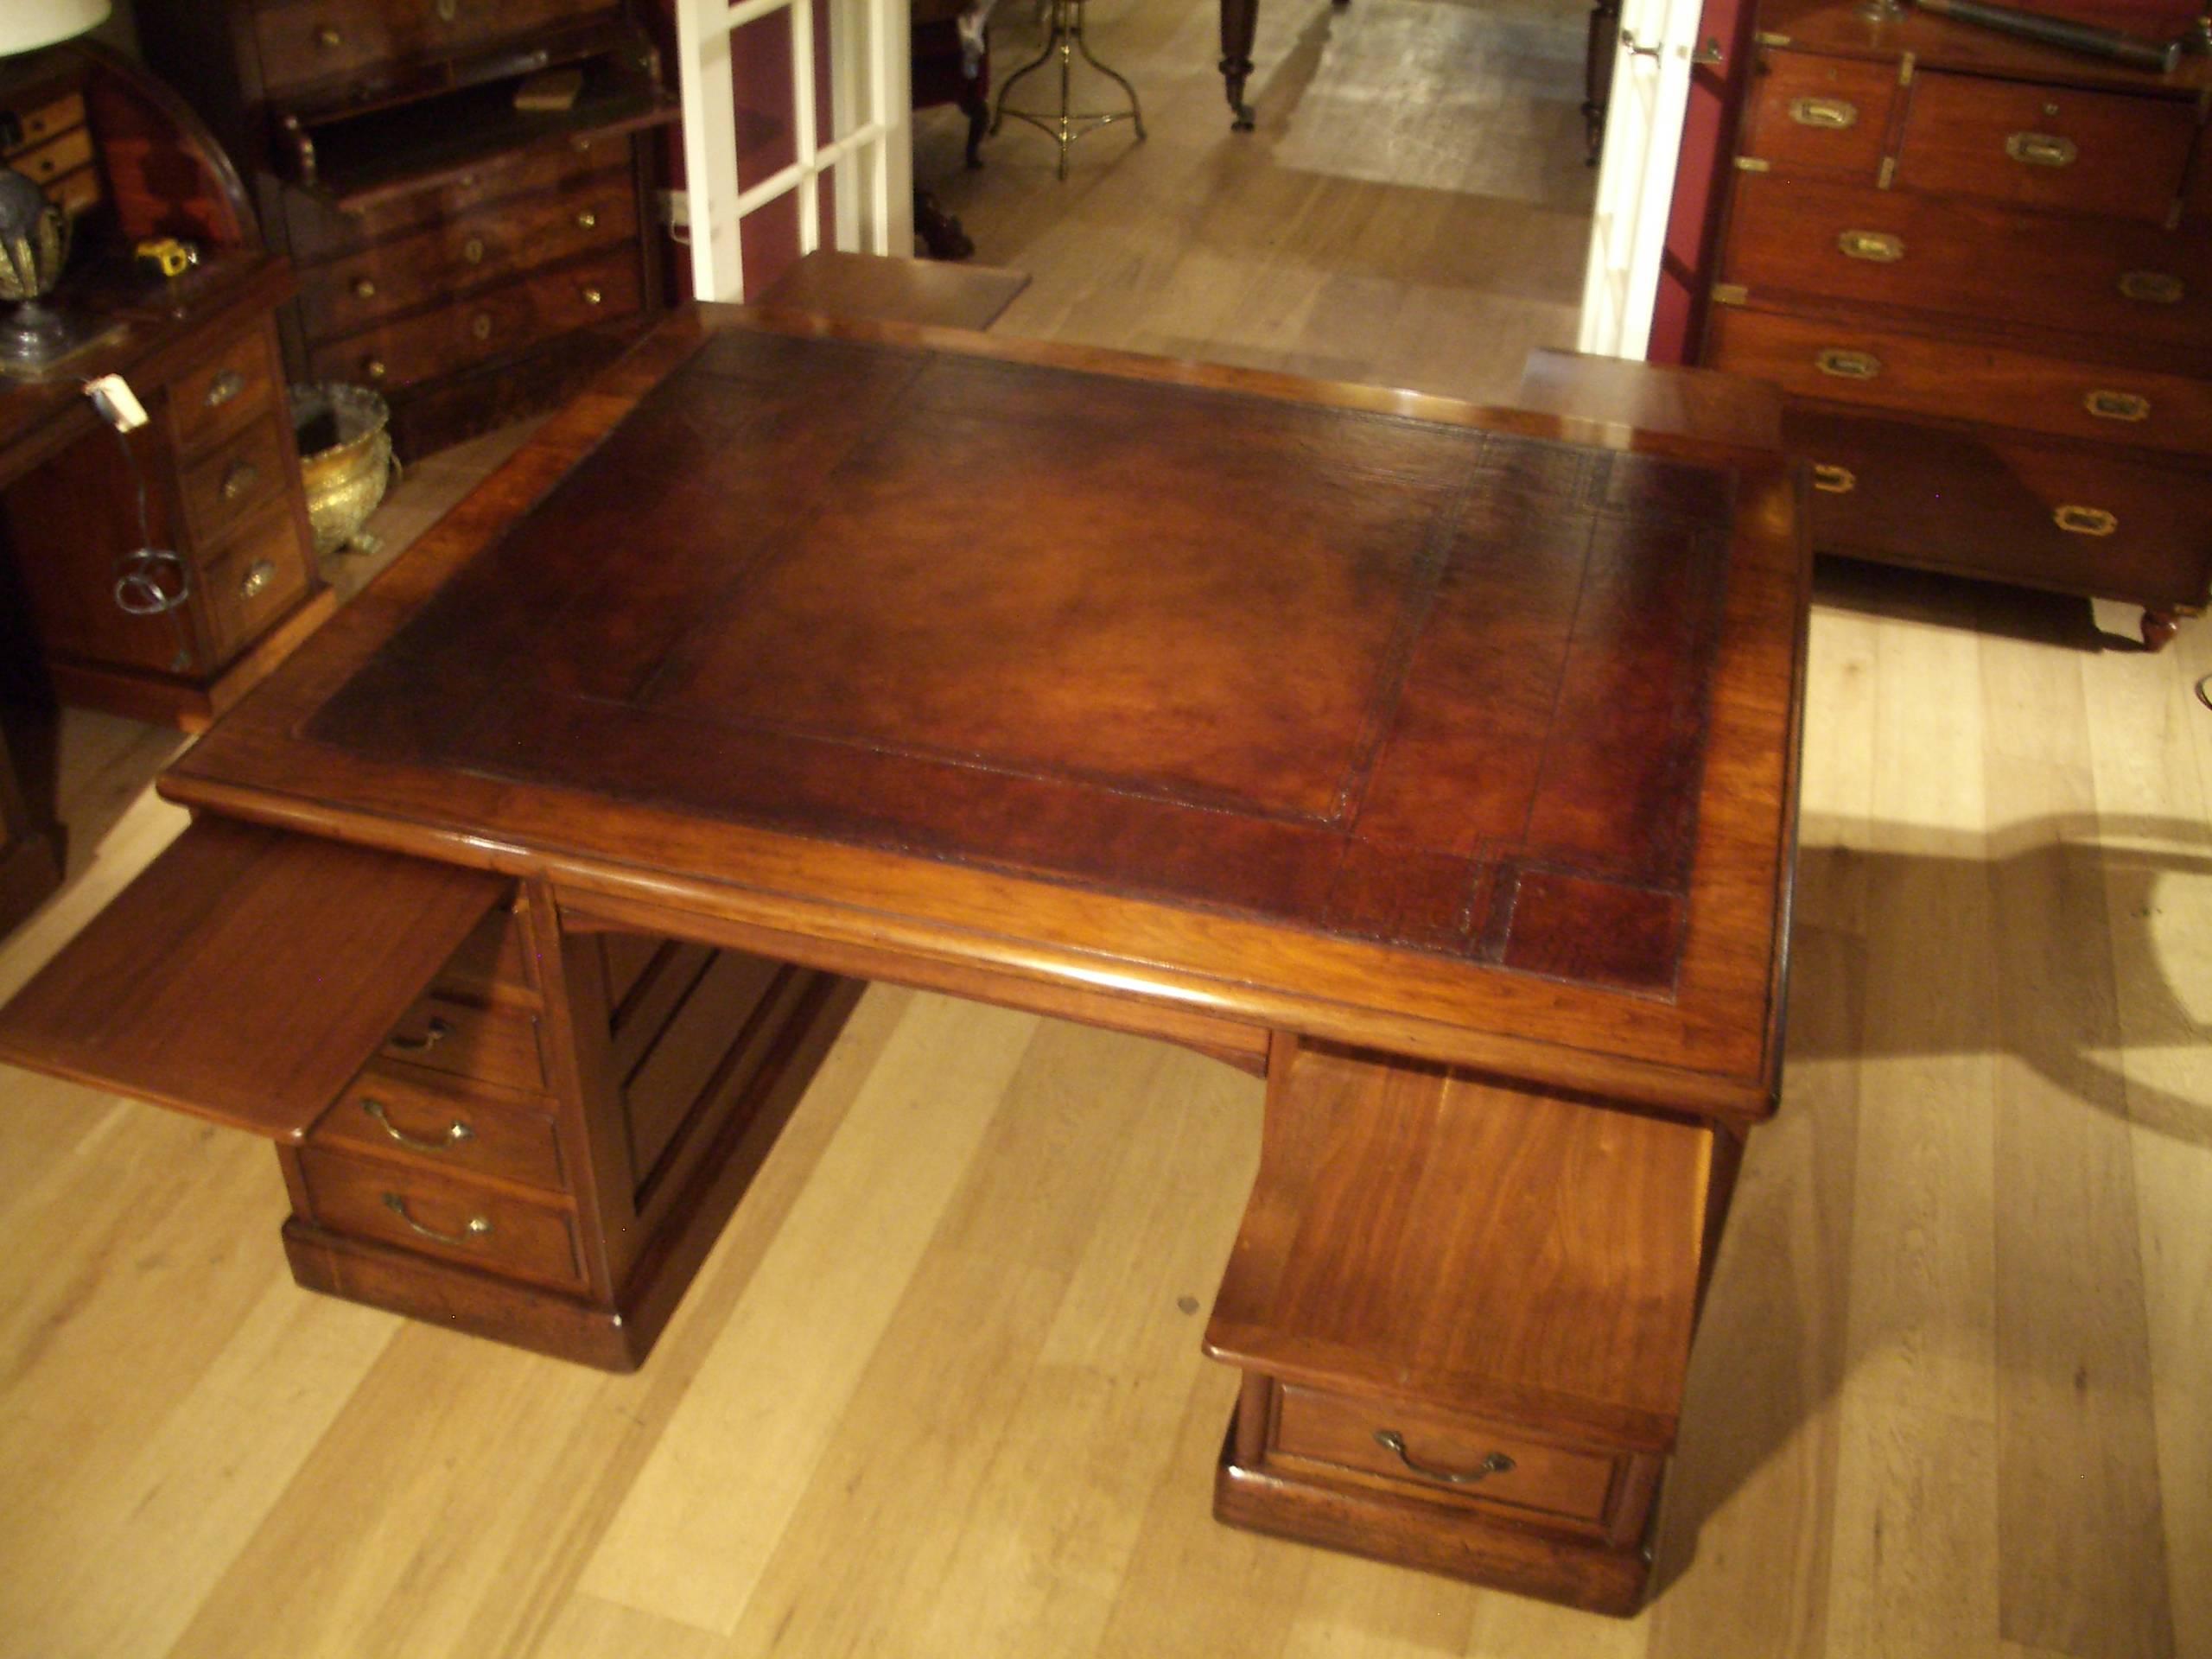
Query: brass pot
{"points": [[346, 474]]}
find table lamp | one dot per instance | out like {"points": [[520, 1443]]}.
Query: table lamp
{"points": [[34, 232]]}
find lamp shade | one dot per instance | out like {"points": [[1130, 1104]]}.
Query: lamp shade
{"points": [[27, 24]]}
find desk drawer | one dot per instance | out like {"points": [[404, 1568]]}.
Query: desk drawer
{"points": [[232, 388], [252, 580], [225, 486], [436, 1216], [1821, 115], [1884, 369], [1982, 262], [2046, 147], [500, 320], [304, 42], [1495, 1467], [2076, 520], [447, 1127], [472, 251], [496, 1045]]}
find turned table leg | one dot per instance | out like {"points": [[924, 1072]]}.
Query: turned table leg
{"points": [[2159, 628], [1239, 21]]}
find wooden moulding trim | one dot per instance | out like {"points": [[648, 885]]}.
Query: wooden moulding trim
{"points": [[819, 934]]}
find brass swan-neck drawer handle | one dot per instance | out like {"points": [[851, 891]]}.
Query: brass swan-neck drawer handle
{"points": [[2084, 521], [476, 1227], [456, 1132], [1496, 1463], [434, 1034], [1831, 480], [1876, 247]]}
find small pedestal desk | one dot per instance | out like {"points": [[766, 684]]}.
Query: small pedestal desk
{"points": [[1436, 763]]}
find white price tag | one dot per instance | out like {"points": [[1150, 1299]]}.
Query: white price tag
{"points": [[118, 405]]}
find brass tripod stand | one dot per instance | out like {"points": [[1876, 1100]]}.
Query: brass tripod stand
{"points": [[1065, 41]]}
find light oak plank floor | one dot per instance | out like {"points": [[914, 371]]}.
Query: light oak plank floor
{"points": [[938, 1391]]}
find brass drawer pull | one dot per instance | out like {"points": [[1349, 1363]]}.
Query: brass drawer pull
{"points": [[1846, 364], [1832, 479], [1878, 246], [2152, 287], [448, 10], [434, 1034], [374, 368], [1496, 1463], [329, 37], [455, 1133], [480, 325], [257, 579], [2085, 521], [477, 1227], [224, 387], [1829, 114], [473, 250], [591, 294], [2118, 405], [364, 288], [241, 477], [587, 220], [2041, 150]]}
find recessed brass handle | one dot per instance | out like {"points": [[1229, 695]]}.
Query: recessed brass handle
{"points": [[1878, 246], [2084, 521], [2152, 287], [476, 1227], [373, 367], [1829, 114], [455, 1133], [434, 1034], [2041, 150], [587, 220], [257, 577], [473, 250], [1847, 365], [592, 296], [328, 36], [480, 325], [1831, 480], [224, 387], [1496, 1463], [241, 477], [2118, 405]]}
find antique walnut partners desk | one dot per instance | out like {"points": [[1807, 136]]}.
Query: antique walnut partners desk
{"points": [[1436, 763]]}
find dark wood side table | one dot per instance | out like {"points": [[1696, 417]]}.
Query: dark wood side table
{"points": [[1436, 763]]}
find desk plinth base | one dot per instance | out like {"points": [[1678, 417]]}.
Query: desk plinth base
{"points": [[1500, 1553]]}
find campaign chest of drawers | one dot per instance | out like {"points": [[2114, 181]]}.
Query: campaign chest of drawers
{"points": [[463, 186], [1980, 270]]}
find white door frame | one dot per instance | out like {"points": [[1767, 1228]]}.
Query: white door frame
{"points": [[870, 147]]}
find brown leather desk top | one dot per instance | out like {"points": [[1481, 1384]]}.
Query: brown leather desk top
{"points": [[1330, 709]]}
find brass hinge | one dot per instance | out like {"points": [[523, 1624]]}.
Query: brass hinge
{"points": [[1729, 293], [1766, 39], [1904, 70], [1888, 175], [1752, 164]]}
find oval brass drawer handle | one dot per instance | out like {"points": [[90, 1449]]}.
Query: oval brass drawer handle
{"points": [[2118, 405], [456, 1131], [241, 477], [1496, 1463], [224, 387], [1879, 247], [1829, 114], [365, 287], [591, 294], [374, 368], [1847, 364], [587, 220], [329, 37], [257, 579], [1831, 480], [2085, 521], [2152, 287], [480, 325], [2041, 150], [477, 1227], [473, 250], [434, 1034]]}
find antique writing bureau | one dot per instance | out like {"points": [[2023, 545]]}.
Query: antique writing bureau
{"points": [[1981, 270], [1436, 763]]}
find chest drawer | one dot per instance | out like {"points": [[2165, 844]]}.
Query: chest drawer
{"points": [[487, 325], [227, 484], [251, 579], [2048, 515], [447, 1127], [1820, 115], [1878, 369], [226, 393], [2048, 147], [436, 1214], [495, 1043], [474, 250], [1894, 249], [1457, 1460], [304, 42]]}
